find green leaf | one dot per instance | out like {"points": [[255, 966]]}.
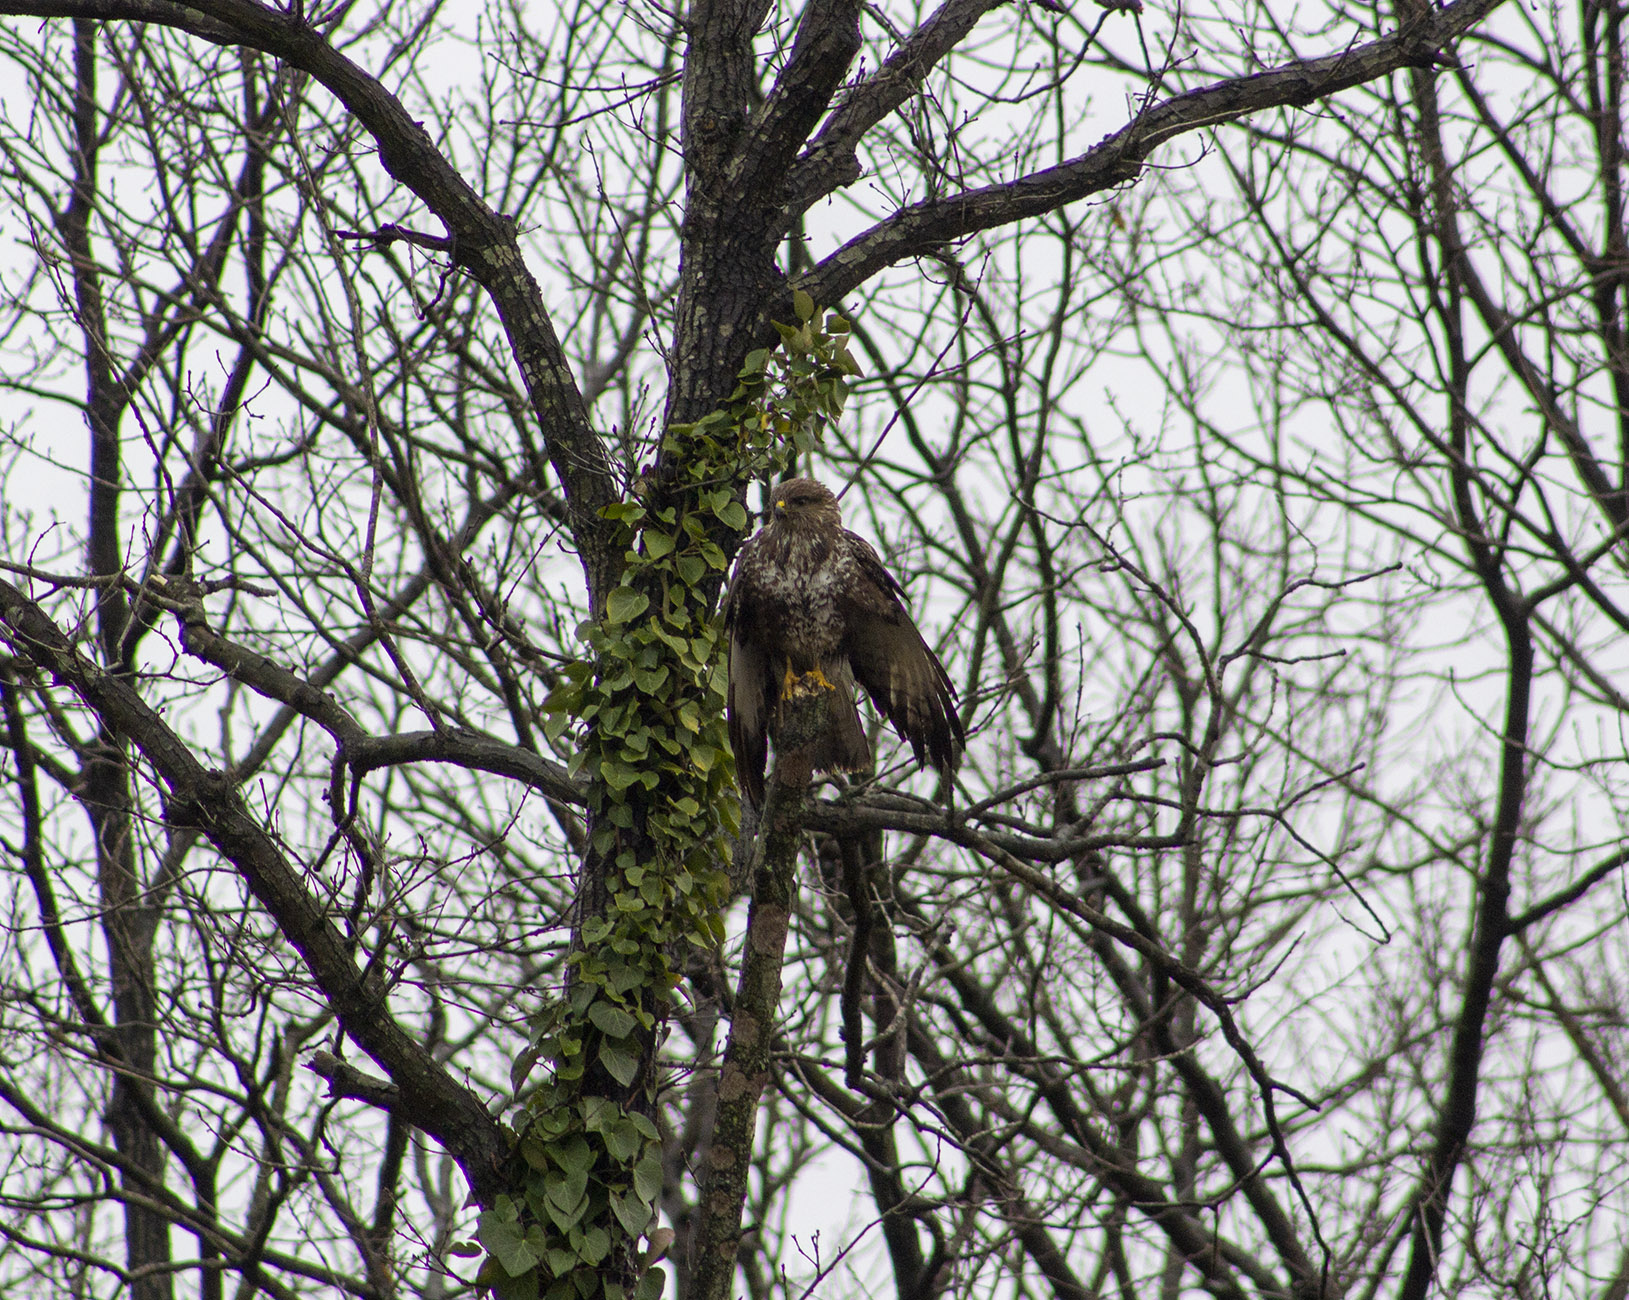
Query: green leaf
{"points": [[522, 1068], [610, 1020], [625, 603], [622, 1063], [631, 1213], [574, 1155], [566, 1217], [657, 544], [596, 1245], [622, 1140], [506, 1243], [523, 1287], [561, 1262], [692, 569], [650, 1286], [616, 775], [648, 681], [802, 304], [647, 1177], [645, 1125], [464, 1249]]}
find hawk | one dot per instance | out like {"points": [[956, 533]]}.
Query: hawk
{"points": [[811, 606]]}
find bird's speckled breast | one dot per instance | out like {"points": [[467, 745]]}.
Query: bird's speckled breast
{"points": [[796, 602]]}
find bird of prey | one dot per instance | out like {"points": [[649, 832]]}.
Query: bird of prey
{"points": [[811, 607]]}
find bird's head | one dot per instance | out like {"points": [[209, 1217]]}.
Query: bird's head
{"points": [[803, 503]]}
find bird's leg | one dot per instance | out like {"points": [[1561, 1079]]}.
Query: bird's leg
{"points": [[795, 684]]}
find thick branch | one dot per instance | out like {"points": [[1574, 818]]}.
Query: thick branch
{"points": [[830, 162], [484, 241], [466, 749], [919, 228], [360, 751], [1457, 1116], [752, 1020], [828, 38], [719, 72], [198, 797]]}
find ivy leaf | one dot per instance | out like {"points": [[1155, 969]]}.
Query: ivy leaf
{"points": [[522, 1068], [506, 1243], [523, 1287], [566, 1214], [612, 1021], [650, 1286], [632, 1214], [645, 1125], [649, 682], [622, 1063], [625, 603], [561, 1262], [647, 1177], [622, 1140], [596, 1245], [692, 569], [617, 776], [574, 1155]]}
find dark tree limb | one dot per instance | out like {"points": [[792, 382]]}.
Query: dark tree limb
{"points": [[830, 162], [345, 1080], [920, 228], [827, 40], [485, 241], [755, 1011], [1456, 1116], [203, 799]]}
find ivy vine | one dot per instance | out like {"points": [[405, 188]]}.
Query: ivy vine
{"points": [[647, 705]]}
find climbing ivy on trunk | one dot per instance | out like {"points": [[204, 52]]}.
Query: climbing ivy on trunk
{"points": [[647, 701]]}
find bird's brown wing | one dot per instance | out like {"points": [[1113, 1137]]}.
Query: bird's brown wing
{"points": [[899, 671], [749, 699]]}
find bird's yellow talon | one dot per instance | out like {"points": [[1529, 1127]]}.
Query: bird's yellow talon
{"points": [[795, 683]]}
